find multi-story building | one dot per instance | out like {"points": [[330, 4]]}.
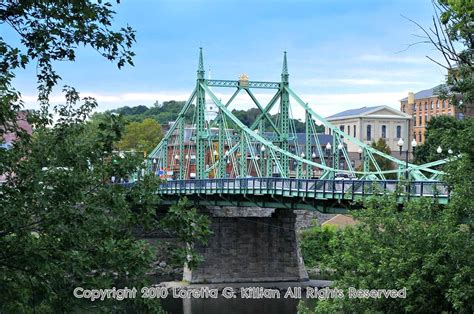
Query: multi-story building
{"points": [[424, 105], [296, 146], [369, 124]]}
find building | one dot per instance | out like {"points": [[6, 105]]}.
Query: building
{"points": [[369, 124], [424, 105], [296, 146]]}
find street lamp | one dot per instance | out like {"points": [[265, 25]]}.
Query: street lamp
{"points": [[215, 153], [439, 150], [313, 155], [413, 145], [360, 153], [400, 144], [450, 151], [339, 150]]}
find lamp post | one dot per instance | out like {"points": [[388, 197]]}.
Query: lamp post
{"points": [[262, 162], [400, 145], [339, 150], [328, 151]]}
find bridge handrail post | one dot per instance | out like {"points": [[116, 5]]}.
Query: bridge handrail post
{"points": [[352, 188], [421, 189], [342, 191], [324, 188]]}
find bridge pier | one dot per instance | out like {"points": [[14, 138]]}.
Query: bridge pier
{"points": [[250, 245]]}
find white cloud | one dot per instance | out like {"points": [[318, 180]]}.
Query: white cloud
{"points": [[324, 104]]}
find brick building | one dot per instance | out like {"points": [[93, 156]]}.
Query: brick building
{"points": [[424, 105]]}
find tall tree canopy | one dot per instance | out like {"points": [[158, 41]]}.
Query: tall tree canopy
{"points": [[62, 224], [141, 136]]}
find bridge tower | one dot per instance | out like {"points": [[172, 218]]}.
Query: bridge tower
{"points": [[284, 116], [201, 131]]}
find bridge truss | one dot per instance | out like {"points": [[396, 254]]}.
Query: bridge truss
{"points": [[196, 147]]}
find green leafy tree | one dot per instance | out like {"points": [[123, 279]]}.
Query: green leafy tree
{"points": [[315, 244], [189, 227], [444, 132], [425, 247], [62, 223], [141, 136]]}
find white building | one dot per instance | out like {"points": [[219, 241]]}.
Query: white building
{"points": [[369, 124]]}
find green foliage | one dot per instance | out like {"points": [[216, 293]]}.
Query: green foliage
{"points": [[141, 136], [424, 247], [190, 227], [446, 132], [315, 244], [48, 33], [63, 225]]}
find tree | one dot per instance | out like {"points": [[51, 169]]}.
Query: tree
{"points": [[62, 224], [442, 131], [141, 136], [452, 35], [424, 247]]}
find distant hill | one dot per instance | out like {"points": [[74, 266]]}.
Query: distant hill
{"points": [[169, 110]]}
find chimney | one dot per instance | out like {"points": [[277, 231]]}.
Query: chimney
{"points": [[411, 98]]}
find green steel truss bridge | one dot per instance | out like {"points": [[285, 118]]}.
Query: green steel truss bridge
{"points": [[219, 160]]}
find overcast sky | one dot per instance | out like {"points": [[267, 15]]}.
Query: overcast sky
{"points": [[342, 54]]}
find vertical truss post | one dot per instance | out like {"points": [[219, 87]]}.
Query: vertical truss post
{"points": [[222, 158], [200, 120], [284, 117], [182, 167], [308, 149], [243, 156], [366, 158], [261, 131], [165, 157]]}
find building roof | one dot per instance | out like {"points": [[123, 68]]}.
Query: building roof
{"points": [[352, 112], [426, 93], [369, 111], [340, 221]]}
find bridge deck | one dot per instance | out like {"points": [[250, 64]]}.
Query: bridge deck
{"points": [[218, 191]]}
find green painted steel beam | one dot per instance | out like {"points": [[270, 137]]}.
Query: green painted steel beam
{"points": [[251, 84], [336, 130], [266, 115]]}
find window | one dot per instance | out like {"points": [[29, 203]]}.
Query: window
{"points": [[403, 108], [414, 121], [349, 129], [426, 106], [341, 128], [384, 131], [414, 107], [369, 132], [354, 131], [445, 104], [420, 120], [419, 137], [399, 131], [437, 104], [432, 105]]}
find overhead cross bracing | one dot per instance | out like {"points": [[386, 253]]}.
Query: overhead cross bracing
{"points": [[225, 147]]}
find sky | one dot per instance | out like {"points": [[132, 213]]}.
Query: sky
{"points": [[342, 54]]}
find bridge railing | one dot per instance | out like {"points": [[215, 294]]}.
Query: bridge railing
{"points": [[321, 189]]}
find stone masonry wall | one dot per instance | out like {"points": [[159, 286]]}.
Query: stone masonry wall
{"points": [[250, 249]]}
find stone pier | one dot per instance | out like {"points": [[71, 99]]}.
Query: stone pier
{"points": [[250, 245]]}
